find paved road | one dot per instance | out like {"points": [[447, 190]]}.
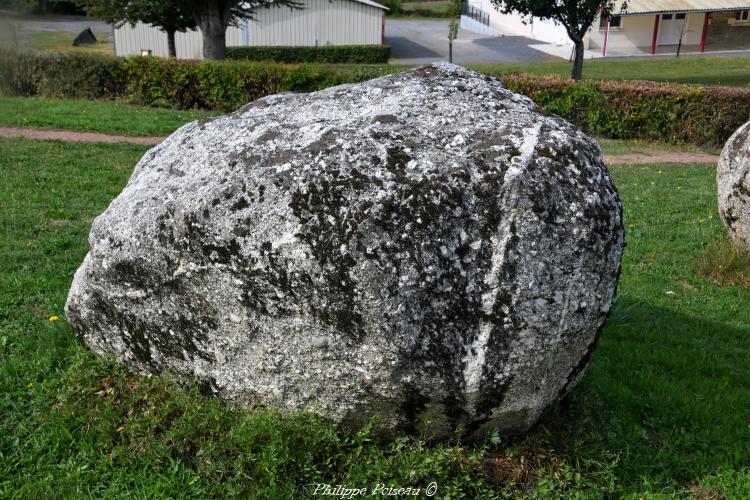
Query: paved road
{"points": [[423, 41], [413, 42]]}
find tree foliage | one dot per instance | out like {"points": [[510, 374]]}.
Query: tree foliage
{"points": [[576, 16], [167, 15], [213, 17], [159, 13], [18, 5], [40, 6]]}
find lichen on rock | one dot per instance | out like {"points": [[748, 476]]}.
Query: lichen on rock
{"points": [[734, 187], [427, 248]]}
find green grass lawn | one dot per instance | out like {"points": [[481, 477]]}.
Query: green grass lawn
{"points": [[638, 146], [12, 34], [62, 41], [663, 408], [426, 9], [707, 70], [93, 116], [733, 71]]}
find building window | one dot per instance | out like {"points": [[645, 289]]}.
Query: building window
{"points": [[743, 16], [666, 17], [679, 17], [614, 22]]}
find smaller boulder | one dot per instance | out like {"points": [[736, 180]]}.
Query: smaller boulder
{"points": [[734, 187], [85, 37]]}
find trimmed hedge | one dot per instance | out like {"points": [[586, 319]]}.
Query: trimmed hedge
{"points": [[640, 109], [357, 54], [49, 74], [616, 109], [152, 81]]}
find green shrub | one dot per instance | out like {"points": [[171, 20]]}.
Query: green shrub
{"points": [[357, 54], [152, 81], [394, 7], [54, 74], [204, 84], [705, 116], [639, 109]]}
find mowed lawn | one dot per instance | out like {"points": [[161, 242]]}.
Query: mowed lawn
{"points": [[664, 407], [733, 71], [93, 116]]}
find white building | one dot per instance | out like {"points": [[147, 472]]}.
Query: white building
{"points": [[658, 26], [482, 17], [320, 22], [644, 27]]}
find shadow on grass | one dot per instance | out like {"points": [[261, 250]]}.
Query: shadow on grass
{"points": [[663, 406], [666, 397]]}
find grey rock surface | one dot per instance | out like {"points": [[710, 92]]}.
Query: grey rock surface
{"points": [[734, 187], [427, 248]]}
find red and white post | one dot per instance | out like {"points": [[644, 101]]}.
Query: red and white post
{"points": [[656, 34], [704, 35]]}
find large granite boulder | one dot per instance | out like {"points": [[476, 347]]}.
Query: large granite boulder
{"points": [[427, 248], [734, 187]]}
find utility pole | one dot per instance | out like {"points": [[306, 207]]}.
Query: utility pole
{"points": [[452, 35], [453, 27]]}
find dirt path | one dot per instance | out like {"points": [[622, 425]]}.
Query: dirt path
{"points": [[64, 135], [661, 157]]}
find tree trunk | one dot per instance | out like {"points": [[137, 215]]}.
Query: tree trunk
{"points": [[213, 20], [578, 62], [171, 43]]}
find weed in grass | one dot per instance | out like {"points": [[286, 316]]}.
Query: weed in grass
{"points": [[724, 264]]}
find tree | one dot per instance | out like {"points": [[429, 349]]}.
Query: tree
{"points": [[22, 6], [576, 16], [168, 15], [213, 17]]}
